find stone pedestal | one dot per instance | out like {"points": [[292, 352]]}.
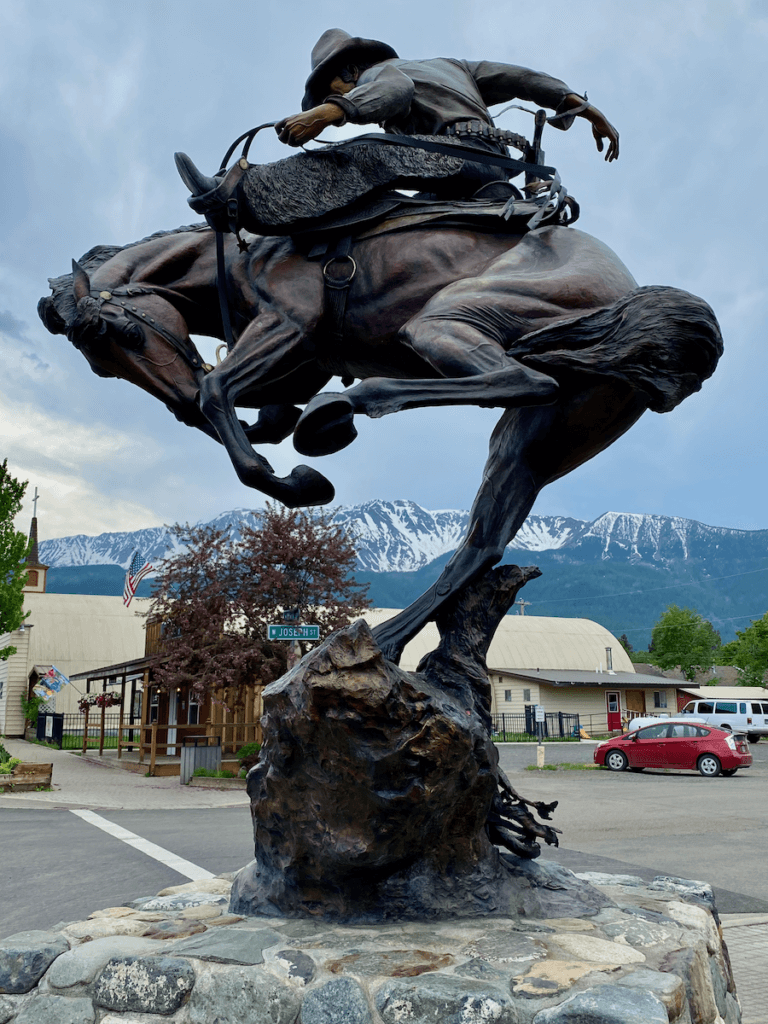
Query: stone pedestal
{"points": [[652, 954]]}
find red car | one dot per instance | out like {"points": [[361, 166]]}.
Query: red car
{"points": [[676, 744]]}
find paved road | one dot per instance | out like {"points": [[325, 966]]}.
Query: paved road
{"points": [[657, 822], [57, 866]]}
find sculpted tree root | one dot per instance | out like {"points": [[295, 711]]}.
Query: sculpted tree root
{"points": [[378, 793], [467, 625]]}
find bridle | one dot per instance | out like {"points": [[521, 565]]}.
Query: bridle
{"points": [[121, 297]]}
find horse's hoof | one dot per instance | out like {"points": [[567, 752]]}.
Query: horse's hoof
{"points": [[306, 487], [326, 426]]}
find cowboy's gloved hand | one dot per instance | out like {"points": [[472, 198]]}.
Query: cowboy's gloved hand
{"points": [[300, 128]]}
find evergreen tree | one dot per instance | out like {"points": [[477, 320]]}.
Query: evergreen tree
{"points": [[13, 550], [682, 637], [624, 641], [216, 598]]}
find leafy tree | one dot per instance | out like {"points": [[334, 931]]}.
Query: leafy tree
{"points": [[749, 652], [216, 598], [682, 637], [13, 550]]}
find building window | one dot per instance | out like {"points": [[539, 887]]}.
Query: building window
{"points": [[526, 696], [508, 696], [659, 698]]}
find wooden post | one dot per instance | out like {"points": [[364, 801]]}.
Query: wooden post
{"points": [[85, 730], [153, 749], [120, 729], [101, 731], [144, 715]]}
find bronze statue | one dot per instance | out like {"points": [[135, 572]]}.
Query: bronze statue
{"points": [[463, 295], [362, 81]]}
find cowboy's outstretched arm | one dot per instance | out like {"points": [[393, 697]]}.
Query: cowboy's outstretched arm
{"points": [[500, 83], [601, 126]]}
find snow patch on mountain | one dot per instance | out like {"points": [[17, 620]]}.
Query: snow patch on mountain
{"points": [[401, 536]]}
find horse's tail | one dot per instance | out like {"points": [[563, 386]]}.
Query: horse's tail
{"points": [[662, 341]]}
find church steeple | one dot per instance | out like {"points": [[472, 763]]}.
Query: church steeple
{"points": [[36, 571]]}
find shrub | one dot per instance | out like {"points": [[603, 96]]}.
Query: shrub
{"points": [[248, 755], [6, 767], [30, 707]]}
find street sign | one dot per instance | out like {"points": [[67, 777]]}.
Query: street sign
{"points": [[540, 713], [293, 632]]}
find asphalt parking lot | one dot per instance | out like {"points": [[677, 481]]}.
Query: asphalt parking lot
{"points": [[656, 822]]}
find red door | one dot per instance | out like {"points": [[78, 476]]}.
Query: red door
{"points": [[613, 711]]}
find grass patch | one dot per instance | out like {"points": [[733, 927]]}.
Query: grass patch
{"points": [[211, 773], [563, 766]]}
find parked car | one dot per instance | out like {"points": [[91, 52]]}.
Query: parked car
{"points": [[676, 744], [747, 716]]}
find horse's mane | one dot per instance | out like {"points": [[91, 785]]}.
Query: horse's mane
{"points": [[62, 299]]}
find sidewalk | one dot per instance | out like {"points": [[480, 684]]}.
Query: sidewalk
{"points": [[79, 783]]}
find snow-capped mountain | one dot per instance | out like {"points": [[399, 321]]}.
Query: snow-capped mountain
{"points": [[401, 536]]}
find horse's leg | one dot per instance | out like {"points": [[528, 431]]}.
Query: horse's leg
{"points": [[529, 448], [270, 349], [473, 369]]}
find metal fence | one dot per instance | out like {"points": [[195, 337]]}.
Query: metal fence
{"points": [[521, 728], [66, 730]]}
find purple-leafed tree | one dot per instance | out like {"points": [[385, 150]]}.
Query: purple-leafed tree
{"points": [[216, 598]]}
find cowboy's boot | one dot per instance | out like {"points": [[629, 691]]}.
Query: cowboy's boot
{"points": [[215, 198]]}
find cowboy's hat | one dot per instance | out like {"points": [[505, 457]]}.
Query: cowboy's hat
{"points": [[334, 49]]}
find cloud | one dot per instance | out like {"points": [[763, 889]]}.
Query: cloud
{"points": [[11, 325], [72, 465]]}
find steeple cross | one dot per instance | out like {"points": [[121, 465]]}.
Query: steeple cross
{"points": [[34, 505]]}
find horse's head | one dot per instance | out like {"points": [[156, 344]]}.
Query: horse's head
{"points": [[129, 331]]}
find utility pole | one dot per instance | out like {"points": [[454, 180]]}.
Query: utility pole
{"points": [[522, 602]]}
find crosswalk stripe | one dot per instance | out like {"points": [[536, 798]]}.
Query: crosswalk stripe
{"points": [[171, 860]]}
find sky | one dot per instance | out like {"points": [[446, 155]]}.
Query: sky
{"points": [[95, 97]]}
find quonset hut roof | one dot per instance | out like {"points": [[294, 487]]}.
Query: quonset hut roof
{"points": [[529, 642]]}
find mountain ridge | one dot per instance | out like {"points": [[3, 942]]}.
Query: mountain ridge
{"points": [[621, 569]]}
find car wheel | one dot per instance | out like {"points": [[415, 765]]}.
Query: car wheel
{"points": [[616, 761], [728, 772], [708, 765], [728, 728]]}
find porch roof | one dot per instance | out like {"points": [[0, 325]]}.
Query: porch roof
{"points": [[123, 668], [605, 680]]}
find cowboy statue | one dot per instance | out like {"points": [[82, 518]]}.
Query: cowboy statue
{"points": [[363, 81]]}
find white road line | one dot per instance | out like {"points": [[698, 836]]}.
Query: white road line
{"points": [[184, 867]]}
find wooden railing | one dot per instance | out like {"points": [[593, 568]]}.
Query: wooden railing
{"points": [[232, 736]]}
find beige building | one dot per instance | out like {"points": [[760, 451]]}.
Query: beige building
{"points": [[74, 632], [574, 666]]}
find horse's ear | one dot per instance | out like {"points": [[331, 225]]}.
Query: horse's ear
{"points": [[81, 283]]}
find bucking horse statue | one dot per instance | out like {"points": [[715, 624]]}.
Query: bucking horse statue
{"points": [[496, 301]]}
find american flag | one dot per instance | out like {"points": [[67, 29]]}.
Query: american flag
{"points": [[137, 570]]}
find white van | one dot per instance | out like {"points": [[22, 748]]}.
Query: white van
{"points": [[747, 716]]}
